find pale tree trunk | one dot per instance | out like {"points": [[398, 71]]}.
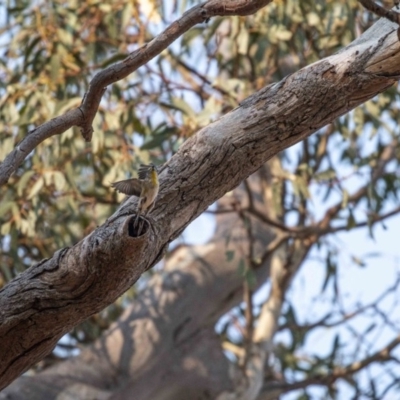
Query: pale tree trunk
{"points": [[47, 300]]}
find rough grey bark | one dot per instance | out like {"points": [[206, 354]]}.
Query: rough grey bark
{"points": [[164, 346], [47, 300]]}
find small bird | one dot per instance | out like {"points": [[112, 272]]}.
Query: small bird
{"points": [[145, 187]]}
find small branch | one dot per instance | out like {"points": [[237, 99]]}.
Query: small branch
{"points": [[293, 232], [322, 146], [276, 224], [267, 324], [381, 11], [247, 289], [236, 350], [371, 221], [249, 194], [234, 7], [83, 116], [203, 78], [337, 373], [274, 245], [323, 322], [248, 299], [381, 355], [388, 154]]}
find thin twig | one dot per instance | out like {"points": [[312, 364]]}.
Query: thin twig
{"points": [[340, 372], [388, 154], [381, 11]]}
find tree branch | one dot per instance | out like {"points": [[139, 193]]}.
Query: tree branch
{"points": [[163, 326], [388, 153], [48, 299], [380, 11], [83, 115], [337, 373]]}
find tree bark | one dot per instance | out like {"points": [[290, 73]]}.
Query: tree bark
{"points": [[164, 345], [47, 300]]}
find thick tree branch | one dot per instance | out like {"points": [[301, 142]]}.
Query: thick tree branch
{"points": [[43, 303], [171, 322], [83, 116]]}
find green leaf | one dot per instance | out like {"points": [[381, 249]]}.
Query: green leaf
{"points": [[181, 105], [326, 175], [5, 207], [345, 198], [331, 270], [351, 222], [358, 261], [23, 181], [37, 186], [59, 180], [243, 40], [159, 138], [55, 64], [229, 254], [5, 228]]}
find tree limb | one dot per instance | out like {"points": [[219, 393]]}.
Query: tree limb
{"points": [[48, 299], [271, 390], [83, 115], [380, 11], [172, 321]]}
